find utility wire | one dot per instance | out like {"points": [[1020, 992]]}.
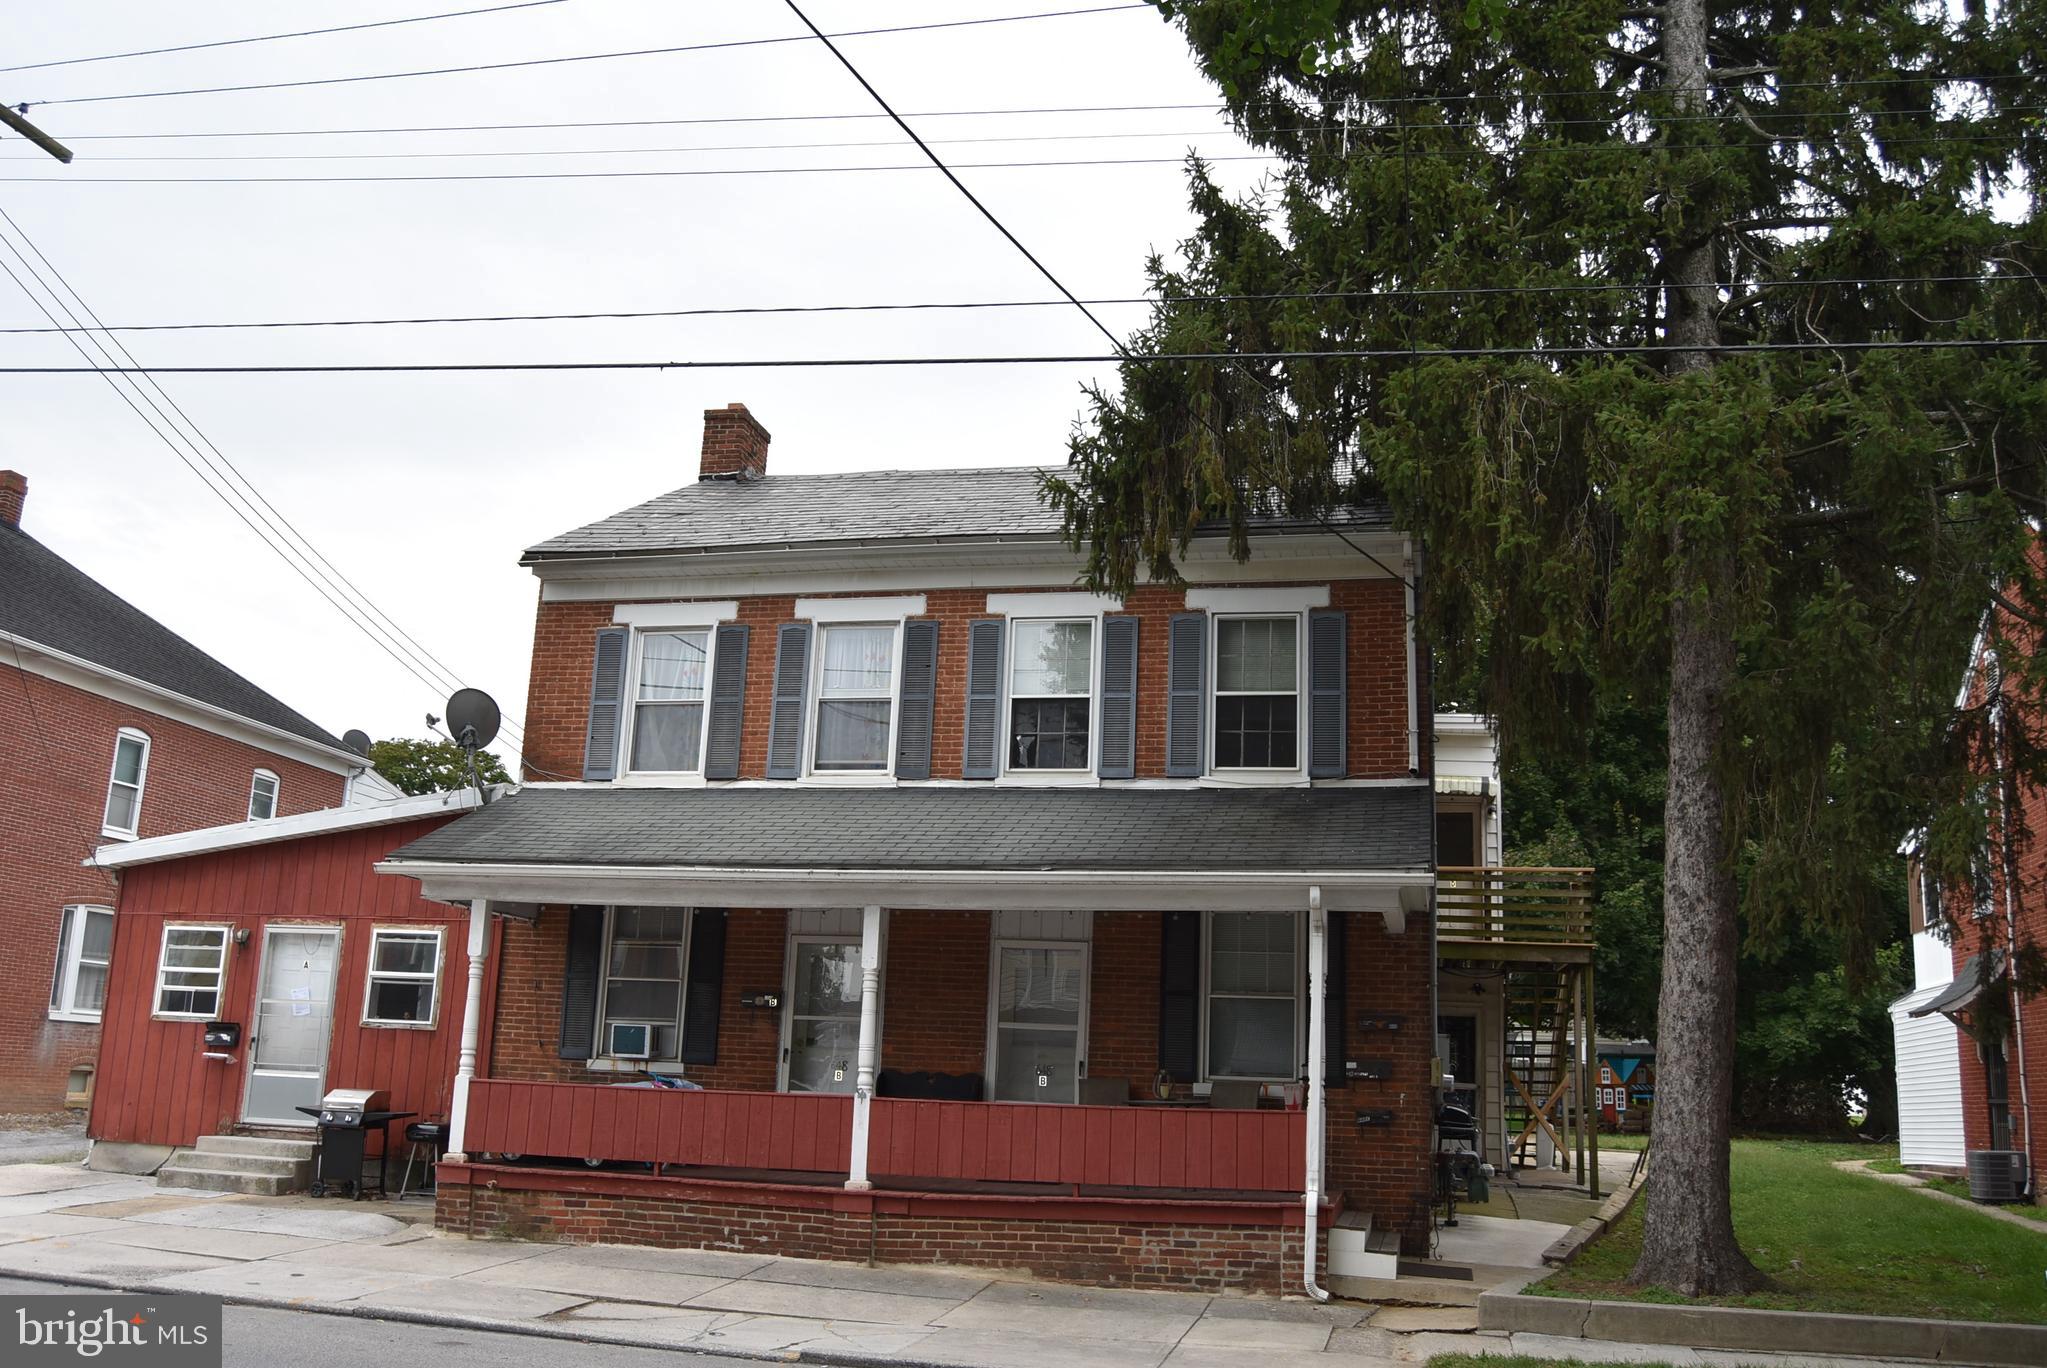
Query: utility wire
{"points": [[608, 175], [278, 37], [303, 557], [1425, 292], [581, 57]]}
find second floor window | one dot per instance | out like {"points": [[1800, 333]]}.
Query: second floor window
{"points": [[855, 699], [1257, 693], [124, 786], [1051, 682], [668, 701], [263, 796]]}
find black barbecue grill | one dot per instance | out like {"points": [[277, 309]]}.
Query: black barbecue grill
{"points": [[346, 1117]]}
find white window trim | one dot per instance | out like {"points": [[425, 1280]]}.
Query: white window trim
{"points": [[141, 784], [227, 943], [814, 696], [1090, 774], [276, 793], [788, 1042], [706, 613], [70, 954], [1299, 771], [1300, 999], [860, 610], [1062, 605], [1291, 598], [601, 1062], [665, 778], [371, 974], [1087, 975]]}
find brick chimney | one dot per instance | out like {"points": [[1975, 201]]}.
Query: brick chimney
{"points": [[735, 445], [13, 494]]}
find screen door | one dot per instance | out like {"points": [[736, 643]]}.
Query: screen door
{"points": [[294, 1017], [1039, 1009], [821, 1031]]}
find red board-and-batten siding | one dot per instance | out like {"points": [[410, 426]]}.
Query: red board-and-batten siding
{"points": [[155, 1086]]}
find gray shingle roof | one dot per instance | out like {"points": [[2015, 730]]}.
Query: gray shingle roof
{"points": [[868, 505], [47, 600], [1325, 829]]}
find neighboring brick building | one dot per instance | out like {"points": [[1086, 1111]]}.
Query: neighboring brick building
{"points": [[844, 804], [111, 727]]}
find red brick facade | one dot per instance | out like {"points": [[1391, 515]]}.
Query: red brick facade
{"points": [[56, 753]]}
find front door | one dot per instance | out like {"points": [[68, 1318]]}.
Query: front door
{"points": [[821, 1025], [294, 1018], [1039, 1025]]}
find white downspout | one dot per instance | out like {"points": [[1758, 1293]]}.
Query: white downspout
{"points": [[472, 1030], [1318, 1052]]}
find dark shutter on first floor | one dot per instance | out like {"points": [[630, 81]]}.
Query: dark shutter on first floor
{"points": [[1180, 996], [1186, 671], [1119, 698], [1327, 713], [785, 718], [728, 703], [704, 993], [581, 970], [1336, 1000], [920, 683], [981, 756], [607, 703]]}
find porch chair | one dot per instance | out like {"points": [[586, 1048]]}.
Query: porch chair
{"points": [[1104, 1092], [1233, 1094]]}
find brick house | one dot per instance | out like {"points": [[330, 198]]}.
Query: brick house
{"points": [[112, 728], [989, 921]]}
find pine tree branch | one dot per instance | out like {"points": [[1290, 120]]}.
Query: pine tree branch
{"points": [[1834, 517]]}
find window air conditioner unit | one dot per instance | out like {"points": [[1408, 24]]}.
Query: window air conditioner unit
{"points": [[630, 1040], [1997, 1175]]}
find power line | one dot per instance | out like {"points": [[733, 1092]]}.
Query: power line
{"points": [[302, 558], [1274, 296], [611, 175], [277, 37], [583, 57]]}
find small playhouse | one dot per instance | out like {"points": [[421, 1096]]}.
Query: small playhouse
{"points": [[1626, 1083]]}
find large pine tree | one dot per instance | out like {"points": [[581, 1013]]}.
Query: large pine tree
{"points": [[1641, 289]]}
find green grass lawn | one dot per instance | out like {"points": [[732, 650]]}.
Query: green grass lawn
{"points": [[1956, 1187], [1834, 1241]]}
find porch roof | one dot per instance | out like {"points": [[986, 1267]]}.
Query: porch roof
{"points": [[956, 846]]}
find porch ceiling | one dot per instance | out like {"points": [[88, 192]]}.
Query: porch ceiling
{"points": [[940, 846]]}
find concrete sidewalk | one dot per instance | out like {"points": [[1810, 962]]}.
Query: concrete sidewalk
{"points": [[383, 1259]]}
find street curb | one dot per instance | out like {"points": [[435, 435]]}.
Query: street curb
{"points": [[1595, 1225], [1742, 1328], [536, 1329]]}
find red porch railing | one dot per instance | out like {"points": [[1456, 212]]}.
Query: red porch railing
{"points": [[802, 1132], [1146, 1147], [1012, 1142]]}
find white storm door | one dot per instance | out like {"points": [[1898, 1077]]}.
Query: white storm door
{"points": [[294, 1020], [821, 1021]]}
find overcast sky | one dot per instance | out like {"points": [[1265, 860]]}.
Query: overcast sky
{"points": [[423, 489]]}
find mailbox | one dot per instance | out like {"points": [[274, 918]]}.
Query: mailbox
{"points": [[222, 1035]]}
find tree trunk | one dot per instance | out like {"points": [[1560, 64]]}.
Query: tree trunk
{"points": [[1688, 1227]]}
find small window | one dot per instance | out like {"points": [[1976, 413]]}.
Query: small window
{"points": [[263, 796], [405, 974], [124, 786], [192, 972], [668, 701], [1257, 693], [1051, 682], [85, 947], [643, 979], [1254, 974], [855, 699]]}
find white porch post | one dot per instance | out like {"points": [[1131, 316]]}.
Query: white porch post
{"points": [[1318, 1053], [472, 1028], [869, 1057]]}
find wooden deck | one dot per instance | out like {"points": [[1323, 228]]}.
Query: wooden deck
{"points": [[1518, 914]]}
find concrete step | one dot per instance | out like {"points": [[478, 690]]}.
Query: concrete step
{"points": [[299, 1169], [272, 1146], [1358, 1251], [179, 1174]]}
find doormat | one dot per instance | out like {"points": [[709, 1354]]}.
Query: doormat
{"points": [[1449, 1272]]}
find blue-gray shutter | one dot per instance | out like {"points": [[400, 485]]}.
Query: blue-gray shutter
{"points": [[607, 703], [1326, 696], [1336, 999], [580, 971], [981, 754], [1186, 698], [1180, 996], [785, 719], [705, 989], [920, 685], [1119, 698], [728, 703]]}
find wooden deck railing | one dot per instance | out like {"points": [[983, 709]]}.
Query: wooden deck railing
{"points": [[1015, 1142], [1514, 905]]}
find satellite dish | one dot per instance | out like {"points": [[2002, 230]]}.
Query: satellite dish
{"points": [[357, 740], [472, 718]]}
